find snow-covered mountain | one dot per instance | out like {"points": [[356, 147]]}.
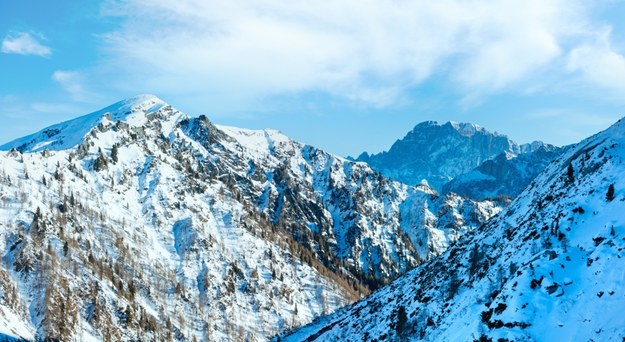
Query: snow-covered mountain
{"points": [[506, 175], [139, 222], [548, 269], [439, 152]]}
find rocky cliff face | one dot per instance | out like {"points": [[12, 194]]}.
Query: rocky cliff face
{"points": [[548, 268], [438, 153], [505, 175], [138, 222]]}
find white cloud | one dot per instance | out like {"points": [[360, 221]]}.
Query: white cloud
{"points": [[73, 83], [362, 50], [600, 65], [23, 43]]}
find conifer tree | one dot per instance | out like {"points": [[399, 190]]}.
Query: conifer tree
{"points": [[402, 318], [570, 173], [609, 196], [100, 163]]}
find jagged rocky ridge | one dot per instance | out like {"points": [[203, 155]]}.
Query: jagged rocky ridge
{"points": [[138, 222], [548, 268], [439, 152], [505, 175]]}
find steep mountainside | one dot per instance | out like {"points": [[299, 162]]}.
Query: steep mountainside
{"points": [[138, 222], [505, 175], [348, 212], [549, 268], [439, 153]]}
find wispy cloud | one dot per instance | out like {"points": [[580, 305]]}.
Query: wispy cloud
{"points": [[73, 83], [600, 65], [23, 43], [365, 51]]}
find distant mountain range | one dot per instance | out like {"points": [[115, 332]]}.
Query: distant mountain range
{"points": [[505, 175], [439, 153]]}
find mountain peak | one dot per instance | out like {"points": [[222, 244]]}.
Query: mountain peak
{"points": [[429, 123], [70, 133], [468, 129], [464, 128], [147, 102], [439, 152]]}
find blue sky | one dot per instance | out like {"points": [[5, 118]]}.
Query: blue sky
{"points": [[344, 75]]}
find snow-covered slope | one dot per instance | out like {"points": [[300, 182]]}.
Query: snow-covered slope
{"points": [[71, 133], [549, 268], [505, 175], [138, 222], [439, 152], [143, 247], [347, 212]]}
